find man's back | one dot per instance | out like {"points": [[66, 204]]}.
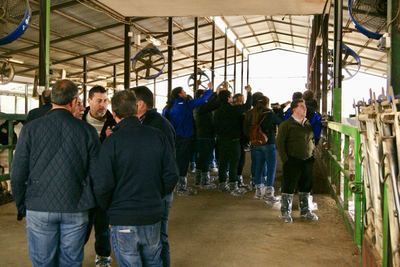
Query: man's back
{"points": [[53, 157], [135, 170]]}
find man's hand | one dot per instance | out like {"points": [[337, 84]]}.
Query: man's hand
{"points": [[108, 131], [248, 88]]}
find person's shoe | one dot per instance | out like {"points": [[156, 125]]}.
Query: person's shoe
{"points": [[188, 191], [101, 261], [286, 207], [235, 190], [260, 191], [305, 207], [269, 196], [206, 181], [192, 167], [223, 187]]}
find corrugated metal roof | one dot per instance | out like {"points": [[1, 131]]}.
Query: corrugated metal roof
{"points": [[78, 30]]}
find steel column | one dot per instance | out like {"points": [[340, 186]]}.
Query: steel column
{"points": [[225, 56], [44, 41], [196, 39], [213, 54], [234, 69], [241, 75], [325, 52], [127, 55], [115, 76], [84, 85], [248, 69], [394, 51], [170, 53], [337, 79]]}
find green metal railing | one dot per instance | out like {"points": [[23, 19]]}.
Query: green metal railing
{"points": [[11, 118], [340, 173]]}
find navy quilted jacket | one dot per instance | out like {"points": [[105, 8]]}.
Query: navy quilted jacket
{"points": [[53, 159]]}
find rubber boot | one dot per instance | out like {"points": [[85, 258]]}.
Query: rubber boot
{"points": [[269, 196], [286, 207], [183, 189], [305, 209], [235, 190], [260, 191], [241, 183], [206, 181]]}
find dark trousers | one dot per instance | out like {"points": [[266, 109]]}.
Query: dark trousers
{"points": [[183, 153], [242, 159], [298, 174], [99, 219], [229, 154], [204, 147]]}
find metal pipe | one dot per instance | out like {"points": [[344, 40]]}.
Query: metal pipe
{"points": [[84, 86], [44, 42], [234, 69], [213, 54], [115, 76], [225, 56], [241, 75], [248, 69], [196, 39], [170, 53], [325, 52], [337, 61], [127, 56]]}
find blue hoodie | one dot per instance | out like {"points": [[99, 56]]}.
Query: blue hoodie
{"points": [[181, 113]]}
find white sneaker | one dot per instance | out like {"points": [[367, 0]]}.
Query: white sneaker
{"points": [[103, 261]]}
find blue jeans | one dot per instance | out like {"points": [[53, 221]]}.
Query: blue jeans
{"points": [[136, 246], [56, 238], [264, 160], [165, 254]]}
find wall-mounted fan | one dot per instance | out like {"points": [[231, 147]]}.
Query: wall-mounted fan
{"points": [[369, 16], [202, 79], [14, 19], [148, 63], [6, 71], [351, 64]]}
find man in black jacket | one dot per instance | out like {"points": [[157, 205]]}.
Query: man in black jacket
{"points": [[149, 116], [228, 120], [100, 118], [50, 180], [205, 138], [135, 170]]}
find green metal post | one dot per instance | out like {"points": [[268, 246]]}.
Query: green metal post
{"points": [[358, 223], [385, 227], [394, 51], [10, 142], [345, 176], [44, 40]]}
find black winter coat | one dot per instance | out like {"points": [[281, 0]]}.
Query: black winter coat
{"points": [[135, 170], [52, 164]]}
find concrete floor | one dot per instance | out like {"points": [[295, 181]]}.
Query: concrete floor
{"points": [[216, 229]]}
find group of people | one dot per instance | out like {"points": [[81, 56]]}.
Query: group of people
{"points": [[219, 124], [79, 168]]}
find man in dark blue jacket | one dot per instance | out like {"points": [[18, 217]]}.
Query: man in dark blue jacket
{"points": [[50, 180], [179, 112], [135, 170], [149, 116]]}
